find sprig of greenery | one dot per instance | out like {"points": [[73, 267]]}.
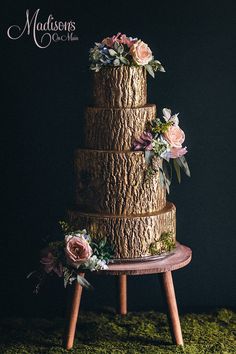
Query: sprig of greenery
{"points": [[159, 127], [102, 249], [154, 66], [166, 243]]}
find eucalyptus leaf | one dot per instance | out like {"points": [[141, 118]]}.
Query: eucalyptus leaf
{"points": [[150, 70], [177, 170], [83, 282], [102, 243], [184, 165], [30, 274], [161, 177], [166, 172], [148, 156], [161, 69], [112, 52], [116, 46], [116, 62], [120, 49], [124, 60]]}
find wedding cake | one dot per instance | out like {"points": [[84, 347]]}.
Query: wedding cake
{"points": [[115, 198]]}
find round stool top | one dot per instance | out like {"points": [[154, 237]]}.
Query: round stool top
{"points": [[179, 258]]}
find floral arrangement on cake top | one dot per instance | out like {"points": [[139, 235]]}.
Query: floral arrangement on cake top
{"points": [[76, 252], [122, 50], [164, 138]]}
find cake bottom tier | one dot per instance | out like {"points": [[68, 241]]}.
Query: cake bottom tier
{"points": [[132, 236]]}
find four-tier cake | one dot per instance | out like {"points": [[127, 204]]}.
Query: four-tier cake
{"points": [[114, 199]]}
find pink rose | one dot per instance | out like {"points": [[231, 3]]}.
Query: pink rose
{"points": [[141, 53], [77, 250], [50, 263], [178, 152], [175, 136]]}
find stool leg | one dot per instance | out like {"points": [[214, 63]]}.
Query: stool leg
{"points": [[123, 294], [73, 315], [169, 293]]}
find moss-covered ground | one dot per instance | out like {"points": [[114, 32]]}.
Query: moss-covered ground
{"points": [[108, 333]]}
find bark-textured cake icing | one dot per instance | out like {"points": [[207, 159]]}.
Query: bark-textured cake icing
{"points": [[123, 86], [113, 196]]}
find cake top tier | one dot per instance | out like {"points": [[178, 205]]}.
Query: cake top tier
{"points": [[120, 64]]}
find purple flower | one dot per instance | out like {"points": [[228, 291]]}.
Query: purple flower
{"points": [[144, 142], [50, 263]]}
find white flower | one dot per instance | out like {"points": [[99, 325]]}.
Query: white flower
{"points": [[166, 114], [95, 264], [169, 118], [102, 264]]}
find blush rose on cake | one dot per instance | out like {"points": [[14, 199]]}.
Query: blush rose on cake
{"points": [[77, 252], [164, 138]]}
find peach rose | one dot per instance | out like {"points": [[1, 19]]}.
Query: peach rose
{"points": [[77, 250], [175, 136], [141, 53]]}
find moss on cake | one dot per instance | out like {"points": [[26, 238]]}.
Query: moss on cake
{"points": [[108, 333], [166, 243]]}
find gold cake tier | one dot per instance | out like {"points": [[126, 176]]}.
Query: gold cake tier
{"points": [[114, 182], [116, 128], [123, 86], [132, 236]]}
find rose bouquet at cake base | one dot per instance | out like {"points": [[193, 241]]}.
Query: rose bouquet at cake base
{"points": [[74, 254]]}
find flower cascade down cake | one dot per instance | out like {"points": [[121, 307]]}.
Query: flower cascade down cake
{"points": [[120, 177]]}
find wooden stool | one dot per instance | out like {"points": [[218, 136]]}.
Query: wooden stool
{"points": [[180, 258]]}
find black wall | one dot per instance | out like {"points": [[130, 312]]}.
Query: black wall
{"points": [[44, 93]]}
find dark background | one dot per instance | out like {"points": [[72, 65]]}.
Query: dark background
{"points": [[44, 93]]}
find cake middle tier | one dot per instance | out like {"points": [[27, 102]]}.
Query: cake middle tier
{"points": [[116, 128], [115, 182]]}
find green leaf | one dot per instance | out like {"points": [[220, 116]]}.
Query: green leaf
{"points": [[161, 68], [112, 52], [30, 274], [184, 165], [116, 46], [116, 62], [150, 70], [102, 243], [120, 49], [161, 176], [83, 282], [148, 156], [124, 60], [177, 170]]}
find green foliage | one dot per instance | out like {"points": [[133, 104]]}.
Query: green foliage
{"points": [[66, 226], [159, 127], [108, 333], [181, 161], [102, 249], [165, 243]]}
